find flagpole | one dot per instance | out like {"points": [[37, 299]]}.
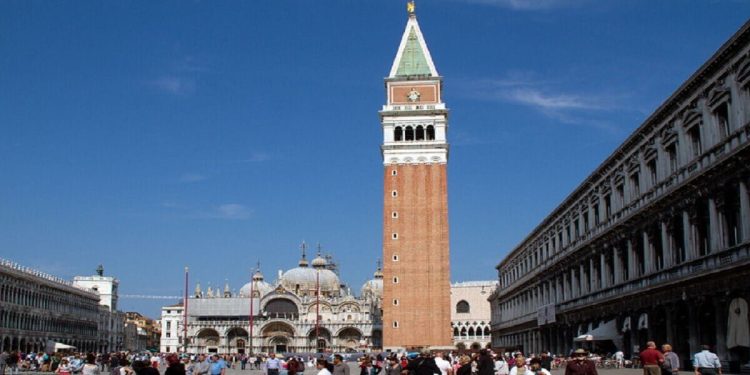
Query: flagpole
{"points": [[185, 314]]}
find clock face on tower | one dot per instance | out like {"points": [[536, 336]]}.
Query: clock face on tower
{"points": [[413, 95]]}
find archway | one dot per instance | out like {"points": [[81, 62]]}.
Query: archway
{"points": [[277, 337], [236, 340], [320, 339], [207, 341], [348, 339]]}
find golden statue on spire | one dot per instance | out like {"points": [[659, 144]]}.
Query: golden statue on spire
{"points": [[410, 7]]}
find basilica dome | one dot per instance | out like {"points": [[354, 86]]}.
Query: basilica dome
{"points": [[373, 288], [258, 285], [303, 280]]}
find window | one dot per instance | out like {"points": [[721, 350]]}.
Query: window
{"points": [[635, 182], [462, 307], [430, 133], [394, 172], [409, 133], [169, 326], [395, 258], [722, 120], [395, 280], [672, 152], [695, 140], [169, 334], [395, 302], [394, 236], [651, 165], [398, 134], [394, 215], [596, 214], [394, 193], [420, 133], [395, 324]]}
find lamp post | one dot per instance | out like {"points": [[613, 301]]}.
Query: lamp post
{"points": [[185, 314]]}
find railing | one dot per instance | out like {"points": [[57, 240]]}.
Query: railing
{"points": [[43, 275], [413, 107]]}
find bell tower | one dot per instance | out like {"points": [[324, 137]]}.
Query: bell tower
{"points": [[416, 255]]}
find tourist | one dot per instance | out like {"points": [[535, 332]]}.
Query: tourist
{"points": [[706, 363], [651, 359], [393, 367], [546, 360], [201, 366], [143, 367], [63, 368], [535, 365], [174, 366], [124, 367], [580, 365], [339, 367], [218, 365], [671, 364], [3, 361], [90, 368], [619, 359], [322, 366], [364, 364], [501, 365], [423, 365], [485, 364], [520, 367], [465, 365], [292, 366], [273, 365], [443, 364]]}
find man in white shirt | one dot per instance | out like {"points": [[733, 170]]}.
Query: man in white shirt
{"points": [[501, 366], [706, 363], [444, 366], [520, 368]]}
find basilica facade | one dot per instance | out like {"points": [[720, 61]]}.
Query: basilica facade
{"points": [[284, 316]]}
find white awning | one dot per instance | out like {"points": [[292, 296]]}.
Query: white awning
{"points": [[605, 331], [61, 346]]}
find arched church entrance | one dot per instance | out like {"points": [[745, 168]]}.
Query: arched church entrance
{"points": [[277, 337], [207, 341]]}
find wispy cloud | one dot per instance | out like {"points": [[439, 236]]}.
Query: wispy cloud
{"points": [[255, 157], [175, 85], [551, 98], [232, 211], [192, 177], [528, 5], [224, 211]]}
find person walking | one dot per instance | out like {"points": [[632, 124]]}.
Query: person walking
{"points": [[273, 365], [580, 365], [218, 365], [90, 368], [520, 367], [174, 366], [671, 365], [393, 367], [322, 365], [3, 361], [706, 362], [651, 359], [485, 365], [501, 365], [63, 368], [339, 367], [201, 366]]}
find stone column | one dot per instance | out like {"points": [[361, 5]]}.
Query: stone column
{"points": [[603, 274], [687, 235], [584, 283], [617, 262], [666, 246], [648, 255], [720, 315], [592, 276], [715, 233], [744, 211], [566, 288], [574, 292], [631, 260], [693, 328]]}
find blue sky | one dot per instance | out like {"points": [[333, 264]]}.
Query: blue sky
{"points": [[148, 135]]}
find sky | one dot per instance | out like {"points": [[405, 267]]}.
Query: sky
{"points": [[152, 135]]}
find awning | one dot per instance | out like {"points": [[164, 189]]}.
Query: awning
{"points": [[605, 331], [643, 321]]}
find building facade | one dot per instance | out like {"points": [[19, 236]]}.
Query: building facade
{"points": [[144, 332], [287, 315], [470, 313], [655, 243], [111, 324], [416, 297], [36, 308]]}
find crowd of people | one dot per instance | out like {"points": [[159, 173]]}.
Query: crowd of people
{"points": [[483, 362]]}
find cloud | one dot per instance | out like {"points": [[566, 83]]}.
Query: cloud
{"points": [[175, 85], [192, 177], [546, 101], [231, 211], [528, 4], [256, 157]]}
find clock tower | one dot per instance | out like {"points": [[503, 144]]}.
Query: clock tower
{"points": [[416, 256]]}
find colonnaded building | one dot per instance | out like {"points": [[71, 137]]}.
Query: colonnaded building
{"points": [[37, 309], [655, 243]]}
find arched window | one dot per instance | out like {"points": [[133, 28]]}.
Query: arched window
{"points": [[455, 331], [462, 307], [463, 332], [398, 134], [409, 133], [420, 133], [487, 331], [471, 331], [430, 133]]}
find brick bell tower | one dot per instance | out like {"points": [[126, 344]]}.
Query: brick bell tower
{"points": [[416, 255]]}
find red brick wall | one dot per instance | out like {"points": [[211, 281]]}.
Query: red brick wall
{"points": [[423, 268]]}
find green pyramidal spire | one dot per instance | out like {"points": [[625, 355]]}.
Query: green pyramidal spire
{"points": [[413, 58], [413, 61]]}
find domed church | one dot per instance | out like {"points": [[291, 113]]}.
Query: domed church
{"points": [[287, 315]]}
